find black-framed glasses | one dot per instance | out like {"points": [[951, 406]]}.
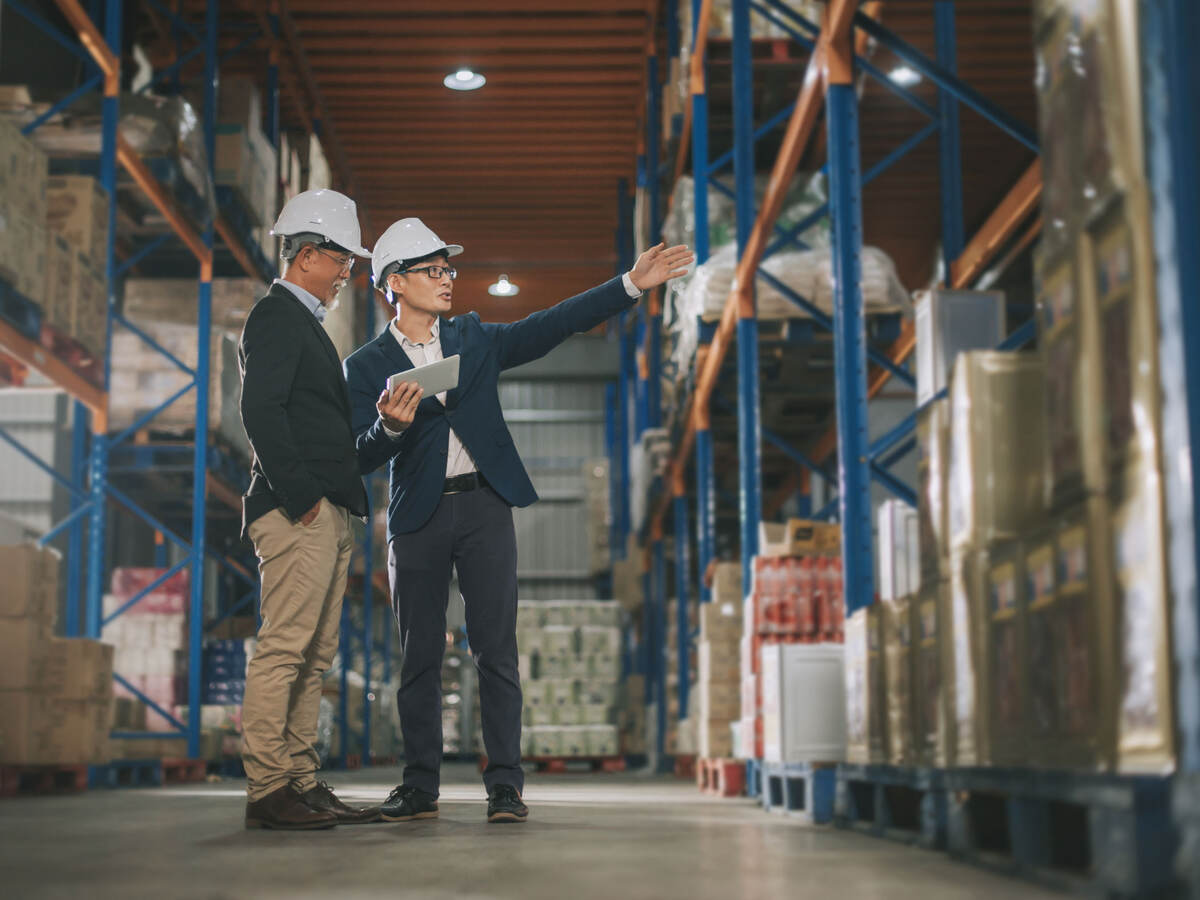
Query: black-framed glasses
{"points": [[346, 263], [434, 272]]}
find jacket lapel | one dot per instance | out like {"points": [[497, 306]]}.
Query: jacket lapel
{"points": [[448, 333]]}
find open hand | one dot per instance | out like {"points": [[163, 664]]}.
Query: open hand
{"points": [[660, 264], [399, 407]]}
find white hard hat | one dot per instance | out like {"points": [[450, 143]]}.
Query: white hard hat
{"points": [[407, 240], [323, 212]]}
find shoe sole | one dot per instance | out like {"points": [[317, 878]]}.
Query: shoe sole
{"points": [[506, 817], [421, 815], [252, 824]]}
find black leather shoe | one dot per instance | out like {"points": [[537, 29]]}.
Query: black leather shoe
{"points": [[406, 803], [285, 810], [504, 805], [323, 799]]}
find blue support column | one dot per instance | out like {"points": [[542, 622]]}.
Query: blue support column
{"points": [[673, 55], [203, 375], [705, 508], [79, 453], [749, 437], [272, 108], [647, 637], [98, 458], [950, 167], [658, 576], [612, 449], [1171, 95], [683, 636], [850, 356]]}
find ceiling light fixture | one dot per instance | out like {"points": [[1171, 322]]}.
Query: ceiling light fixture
{"points": [[503, 288], [464, 80], [904, 76]]}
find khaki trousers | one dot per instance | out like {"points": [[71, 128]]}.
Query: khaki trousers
{"points": [[302, 569]]}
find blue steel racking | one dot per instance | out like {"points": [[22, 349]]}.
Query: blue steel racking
{"points": [[828, 81], [88, 482]]}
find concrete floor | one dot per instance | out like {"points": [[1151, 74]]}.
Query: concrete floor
{"points": [[589, 836]]}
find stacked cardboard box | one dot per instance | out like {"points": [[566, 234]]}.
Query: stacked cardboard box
{"points": [[631, 717], [571, 673], [56, 701], [244, 158], [22, 212], [75, 300], [148, 637], [156, 300], [142, 378], [718, 690], [899, 583]]}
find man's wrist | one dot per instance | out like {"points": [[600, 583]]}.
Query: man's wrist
{"points": [[630, 288], [389, 430]]}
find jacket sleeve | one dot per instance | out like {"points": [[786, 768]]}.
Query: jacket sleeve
{"points": [[270, 357], [536, 335], [375, 447]]}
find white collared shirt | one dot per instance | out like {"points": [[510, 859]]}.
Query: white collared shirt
{"points": [[309, 299], [458, 458]]}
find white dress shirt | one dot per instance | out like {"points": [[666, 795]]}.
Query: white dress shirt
{"points": [[309, 299], [458, 458]]}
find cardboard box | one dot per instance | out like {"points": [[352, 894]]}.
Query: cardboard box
{"points": [[968, 569], [933, 683], [719, 663], [809, 538], [40, 729], [83, 669], [933, 475], [714, 740], [77, 210], [23, 173], [1005, 651], [31, 582], [719, 700], [62, 282], [804, 703], [898, 666], [721, 622], [773, 539], [25, 660], [997, 470], [864, 688]]}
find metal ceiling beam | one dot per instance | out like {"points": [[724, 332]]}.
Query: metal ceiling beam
{"points": [[471, 49]]}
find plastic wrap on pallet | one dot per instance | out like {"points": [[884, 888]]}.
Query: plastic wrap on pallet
{"points": [[804, 703], [1145, 720], [152, 125], [647, 462], [933, 680], [1004, 646], [949, 323], [174, 300], [808, 273], [865, 687], [967, 571], [898, 667], [997, 467]]}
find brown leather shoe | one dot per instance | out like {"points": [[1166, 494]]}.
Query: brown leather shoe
{"points": [[323, 799], [285, 810]]}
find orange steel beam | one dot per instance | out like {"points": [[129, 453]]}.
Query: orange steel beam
{"points": [[144, 179], [235, 246], [835, 31], [999, 227], [983, 248], [35, 356], [93, 41], [697, 86]]}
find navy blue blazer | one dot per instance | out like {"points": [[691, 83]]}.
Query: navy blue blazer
{"points": [[417, 459]]}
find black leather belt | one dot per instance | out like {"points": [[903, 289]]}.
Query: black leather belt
{"points": [[460, 483]]}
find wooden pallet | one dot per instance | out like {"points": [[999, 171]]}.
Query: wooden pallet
{"points": [[1112, 835], [721, 777], [60, 779], [127, 773], [801, 789], [901, 803], [685, 765], [184, 771]]}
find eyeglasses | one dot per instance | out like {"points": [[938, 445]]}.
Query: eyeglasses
{"points": [[346, 263], [434, 272]]}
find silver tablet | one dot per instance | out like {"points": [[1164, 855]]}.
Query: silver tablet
{"points": [[433, 377]]}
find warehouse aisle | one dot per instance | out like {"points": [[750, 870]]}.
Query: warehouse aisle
{"points": [[591, 836]]}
